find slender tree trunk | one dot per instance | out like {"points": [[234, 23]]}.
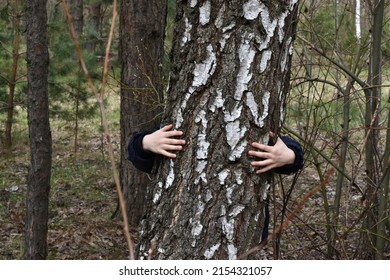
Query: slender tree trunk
{"points": [[76, 10], [229, 79], [142, 30], [373, 96], [76, 121], [358, 31], [383, 197], [14, 71], [342, 161], [372, 154], [94, 15], [38, 183]]}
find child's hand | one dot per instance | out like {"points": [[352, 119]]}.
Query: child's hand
{"points": [[161, 141], [272, 156]]}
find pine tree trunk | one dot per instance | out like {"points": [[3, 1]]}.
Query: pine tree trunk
{"points": [[14, 71], [142, 29], [94, 18], [76, 10], [38, 183], [229, 79]]}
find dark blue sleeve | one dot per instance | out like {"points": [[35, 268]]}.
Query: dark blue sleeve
{"points": [[141, 159], [298, 163]]}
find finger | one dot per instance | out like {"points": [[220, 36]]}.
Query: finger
{"points": [[273, 134], [175, 141], [262, 163], [261, 146], [167, 127], [263, 170], [172, 147], [165, 151], [167, 154], [173, 133], [260, 154]]}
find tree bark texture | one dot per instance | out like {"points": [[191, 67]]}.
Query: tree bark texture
{"points": [[229, 78], [16, 22], [373, 97], [94, 11], [38, 184], [142, 29], [76, 10]]}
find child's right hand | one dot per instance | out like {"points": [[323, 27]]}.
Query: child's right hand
{"points": [[162, 142]]}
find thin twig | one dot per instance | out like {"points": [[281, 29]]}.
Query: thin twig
{"points": [[290, 216], [100, 99]]}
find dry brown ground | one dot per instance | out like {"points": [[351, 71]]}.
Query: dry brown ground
{"points": [[82, 200]]}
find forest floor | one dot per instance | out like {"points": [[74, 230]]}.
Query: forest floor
{"points": [[83, 198]]}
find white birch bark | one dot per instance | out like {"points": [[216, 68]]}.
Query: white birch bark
{"points": [[230, 76]]}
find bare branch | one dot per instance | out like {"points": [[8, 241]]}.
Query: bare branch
{"points": [[100, 99]]}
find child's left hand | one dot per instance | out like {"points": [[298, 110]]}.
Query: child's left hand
{"points": [[272, 156]]}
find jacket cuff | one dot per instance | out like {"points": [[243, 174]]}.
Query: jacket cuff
{"points": [[298, 162], [141, 159]]}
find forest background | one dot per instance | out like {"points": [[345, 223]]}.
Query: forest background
{"points": [[331, 84]]}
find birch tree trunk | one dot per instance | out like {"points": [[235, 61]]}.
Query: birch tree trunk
{"points": [[229, 79], [358, 31]]}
